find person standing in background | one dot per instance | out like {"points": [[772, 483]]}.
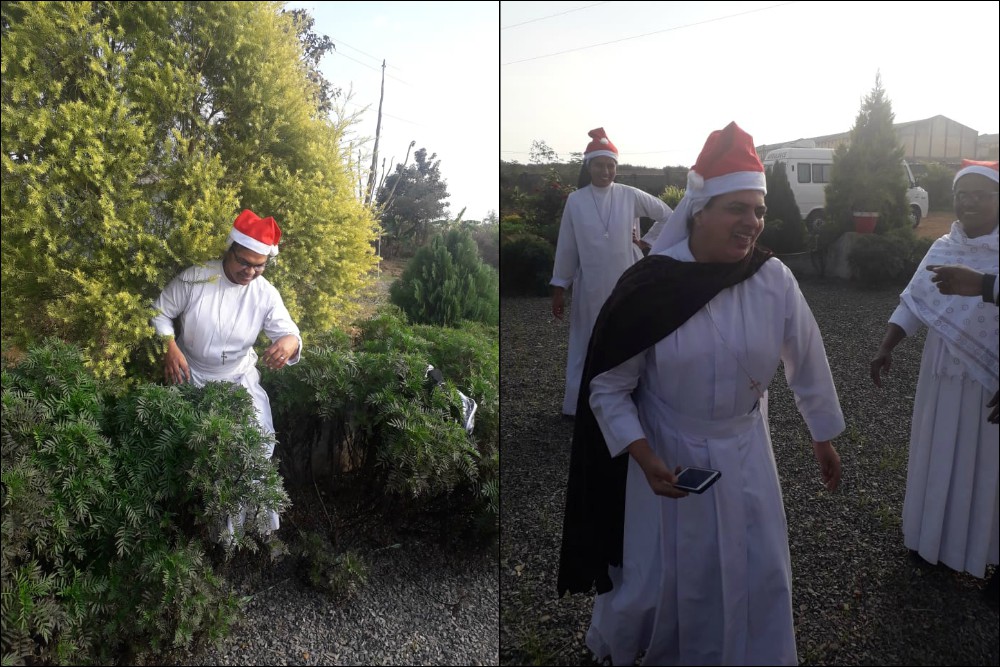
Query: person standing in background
{"points": [[597, 242]]}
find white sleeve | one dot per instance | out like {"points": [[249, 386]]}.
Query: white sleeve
{"points": [[278, 323], [171, 303], [654, 231], [807, 368], [567, 259], [648, 206], [905, 319], [611, 401]]}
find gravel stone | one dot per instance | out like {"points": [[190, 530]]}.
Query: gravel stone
{"points": [[427, 601]]}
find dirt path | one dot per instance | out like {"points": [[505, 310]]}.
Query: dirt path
{"points": [[935, 224]]}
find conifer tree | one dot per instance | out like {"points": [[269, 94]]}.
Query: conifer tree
{"points": [[867, 173]]}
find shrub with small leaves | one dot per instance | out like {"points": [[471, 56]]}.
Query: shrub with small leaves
{"points": [[106, 500], [369, 403]]}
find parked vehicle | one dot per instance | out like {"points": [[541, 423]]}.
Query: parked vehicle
{"points": [[809, 171]]}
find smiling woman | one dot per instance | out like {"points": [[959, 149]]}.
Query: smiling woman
{"points": [[710, 307]]}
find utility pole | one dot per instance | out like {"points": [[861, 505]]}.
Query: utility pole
{"points": [[370, 197]]}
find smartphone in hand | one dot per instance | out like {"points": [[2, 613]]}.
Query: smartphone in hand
{"points": [[696, 480]]}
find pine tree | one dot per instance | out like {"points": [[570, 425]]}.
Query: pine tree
{"points": [[446, 282], [867, 173]]}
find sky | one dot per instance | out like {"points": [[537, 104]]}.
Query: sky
{"points": [[660, 76], [441, 86]]}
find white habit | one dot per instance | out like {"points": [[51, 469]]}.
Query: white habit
{"points": [[952, 507], [220, 321], [594, 249], [706, 579]]}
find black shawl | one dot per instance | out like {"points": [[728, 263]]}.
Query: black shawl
{"points": [[651, 300]]}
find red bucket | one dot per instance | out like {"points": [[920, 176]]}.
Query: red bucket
{"points": [[864, 222]]}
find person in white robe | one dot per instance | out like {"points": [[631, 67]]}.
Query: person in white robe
{"points": [[706, 579], [598, 240], [222, 306], [950, 511]]}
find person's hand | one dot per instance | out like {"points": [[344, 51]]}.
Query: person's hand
{"points": [[956, 279], [175, 365], [829, 464], [658, 475], [638, 241], [994, 416], [557, 302], [882, 363], [278, 354]]}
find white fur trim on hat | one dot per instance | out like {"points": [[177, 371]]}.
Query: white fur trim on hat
{"points": [[593, 154], [720, 185], [982, 170], [251, 243]]}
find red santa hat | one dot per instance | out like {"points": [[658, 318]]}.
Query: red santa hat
{"points": [[261, 235], [990, 170], [600, 146], [727, 163]]}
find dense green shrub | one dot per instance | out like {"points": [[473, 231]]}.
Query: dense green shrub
{"points": [[133, 134], [672, 195], [486, 234], [447, 282], [937, 180], [526, 266], [876, 259], [107, 503], [784, 231], [367, 405]]}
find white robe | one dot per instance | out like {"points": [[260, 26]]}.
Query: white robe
{"points": [[220, 322], [592, 263], [707, 579], [951, 512]]}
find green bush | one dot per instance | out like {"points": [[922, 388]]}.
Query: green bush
{"points": [[369, 404], [784, 231], [672, 195], [526, 266], [876, 260], [447, 282], [487, 237], [107, 503], [937, 180]]}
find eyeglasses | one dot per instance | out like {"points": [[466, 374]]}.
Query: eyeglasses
{"points": [[259, 268], [974, 195]]}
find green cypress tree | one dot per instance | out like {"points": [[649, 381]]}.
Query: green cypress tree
{"points": [[783, 228], [446, 282], [867, 173]]}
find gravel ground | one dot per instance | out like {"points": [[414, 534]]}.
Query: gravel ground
{"points": [[857, 597], [428, 600]]}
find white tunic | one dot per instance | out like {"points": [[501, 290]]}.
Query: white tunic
{"points": [[220, 322], [594, 249], [707, 579], [951, 512]]}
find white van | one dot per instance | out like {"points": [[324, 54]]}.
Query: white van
{"points": [[808, 172]]}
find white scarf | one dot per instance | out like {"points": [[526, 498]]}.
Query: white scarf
{"points": [[970, 334]]}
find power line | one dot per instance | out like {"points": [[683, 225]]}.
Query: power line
{"points": [[376, 69], [568, 11], [378, 60], [647, 34]]}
